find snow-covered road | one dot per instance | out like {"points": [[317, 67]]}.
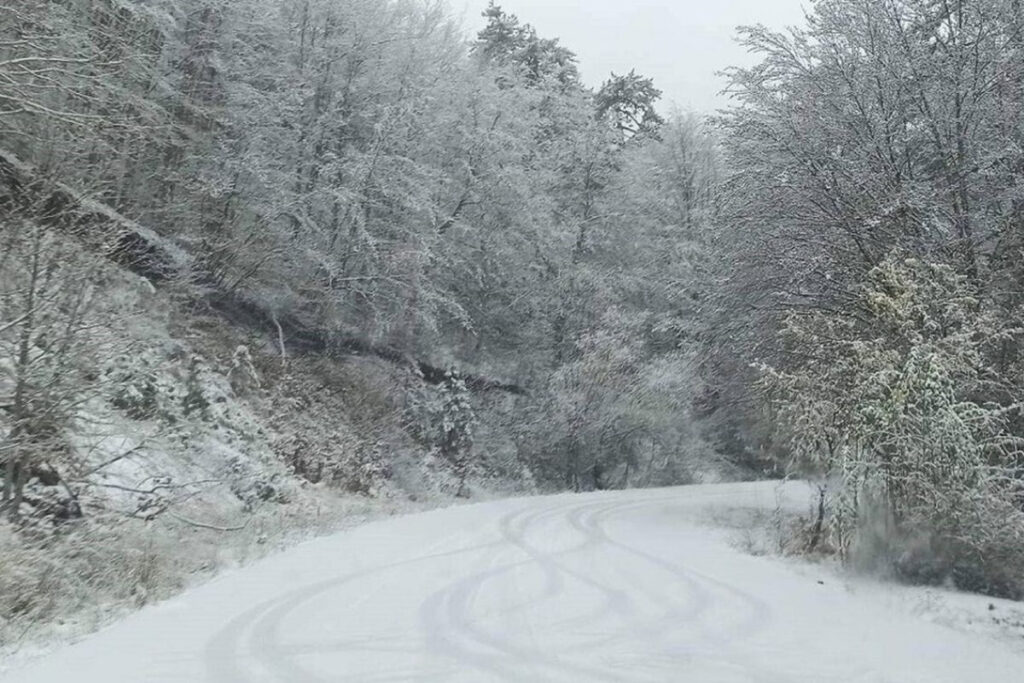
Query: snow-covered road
{"points": [[607, 587]]}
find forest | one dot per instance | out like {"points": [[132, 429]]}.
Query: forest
{"points": [[560, 287]]}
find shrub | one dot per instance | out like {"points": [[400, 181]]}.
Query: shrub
{"points": [[889, 405]]}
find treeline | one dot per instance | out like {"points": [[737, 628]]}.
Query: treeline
{"points": [[358, 169], [871, 310]]}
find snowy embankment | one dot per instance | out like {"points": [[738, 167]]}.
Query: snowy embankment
{"points": [[631, 586]]}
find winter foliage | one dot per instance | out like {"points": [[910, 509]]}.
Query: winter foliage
{"points": [[871, 311], [256, 250]]}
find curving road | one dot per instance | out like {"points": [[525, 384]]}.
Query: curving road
{"points": [[631, 586]]}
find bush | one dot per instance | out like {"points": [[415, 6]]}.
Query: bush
{"points": [[888, 406]]}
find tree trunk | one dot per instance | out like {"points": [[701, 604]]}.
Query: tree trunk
{"points": [[819, 523], [20, 475]]}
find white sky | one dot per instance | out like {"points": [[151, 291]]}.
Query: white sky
{"points": [[679, 43]]}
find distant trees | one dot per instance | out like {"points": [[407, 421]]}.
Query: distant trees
{"points": [[507, 42]]}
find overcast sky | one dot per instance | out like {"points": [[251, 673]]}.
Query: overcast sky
{"points": [[679, 43]]}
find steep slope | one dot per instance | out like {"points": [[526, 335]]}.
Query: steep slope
{"points": [[193, 444]]}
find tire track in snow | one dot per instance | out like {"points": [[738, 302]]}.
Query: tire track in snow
{"points": [[759, 612], [223, 654], [456, 602], [447, 616], [727, 652], [451, 609]]}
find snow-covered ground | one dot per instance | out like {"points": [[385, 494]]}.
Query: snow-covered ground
{"points": [[631, 586]]}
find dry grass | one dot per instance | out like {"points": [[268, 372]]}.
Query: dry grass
{"points": [[59, 586]]}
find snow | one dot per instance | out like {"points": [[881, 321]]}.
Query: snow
{"points": [[626, 586]]}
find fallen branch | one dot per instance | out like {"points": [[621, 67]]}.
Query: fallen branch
{"points": [[211, 527], [306, 338], [150, 491]]}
